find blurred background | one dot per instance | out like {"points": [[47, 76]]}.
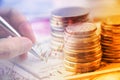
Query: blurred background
{"points": [[43, 8], [38, 11], [30, 8]]}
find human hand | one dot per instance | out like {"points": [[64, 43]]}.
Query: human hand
{"points": [[13, 46]]}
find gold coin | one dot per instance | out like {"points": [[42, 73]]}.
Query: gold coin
{"points": [[59, 29], [81, 29], [82, 69], [107, 55], [71, 35], [83, 59], [109, 46], [112, 20], [81, 47], [86, 52], [81, 40], [81, 44], [57, 46], [57, 34], [57, 39], [80, 65], [111, 60], [82, 55], [76, 52]]}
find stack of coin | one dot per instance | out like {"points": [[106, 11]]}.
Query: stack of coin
{"points": [[110, 39], [60, 19], [82, 49]]}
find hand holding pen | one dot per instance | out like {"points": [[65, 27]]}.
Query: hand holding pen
{"points": [[15, 46]]}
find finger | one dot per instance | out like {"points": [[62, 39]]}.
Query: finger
{"points": [[3, 34], [26, 30], [20, 23], [12, 47], [23, 56]]}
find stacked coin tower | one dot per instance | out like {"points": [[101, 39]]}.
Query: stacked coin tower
{"points": [[110, 39], [82, 49], [60, 19]]}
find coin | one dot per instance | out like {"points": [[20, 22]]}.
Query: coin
{"points": [[69, 12], [83, 59], [111, 39], [111, 60], [79, 65], [56, 39], [112, 20], [82, 55], [63, 17], [69, 51], [109, 55], [82, 69], [81, 48], [81, 44], [84, 28]]}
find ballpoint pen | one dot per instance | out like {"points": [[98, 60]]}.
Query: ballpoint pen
{"points": [[7, 27]]}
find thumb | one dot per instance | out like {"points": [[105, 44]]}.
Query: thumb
{"points": [[14, 46]]}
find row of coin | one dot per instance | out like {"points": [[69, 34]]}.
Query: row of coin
{"points": [[60, 19], [71, 34], [110, 39], [82, 49]]}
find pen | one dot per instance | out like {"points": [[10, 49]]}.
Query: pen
{"points": [[13, 32]]}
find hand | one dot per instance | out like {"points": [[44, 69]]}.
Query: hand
{"points": [[13, 46]]}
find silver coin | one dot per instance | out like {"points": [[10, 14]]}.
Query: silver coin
{"points": [[69, 12]]}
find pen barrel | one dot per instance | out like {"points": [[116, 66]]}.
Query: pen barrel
{"points": [[7, 27]]}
